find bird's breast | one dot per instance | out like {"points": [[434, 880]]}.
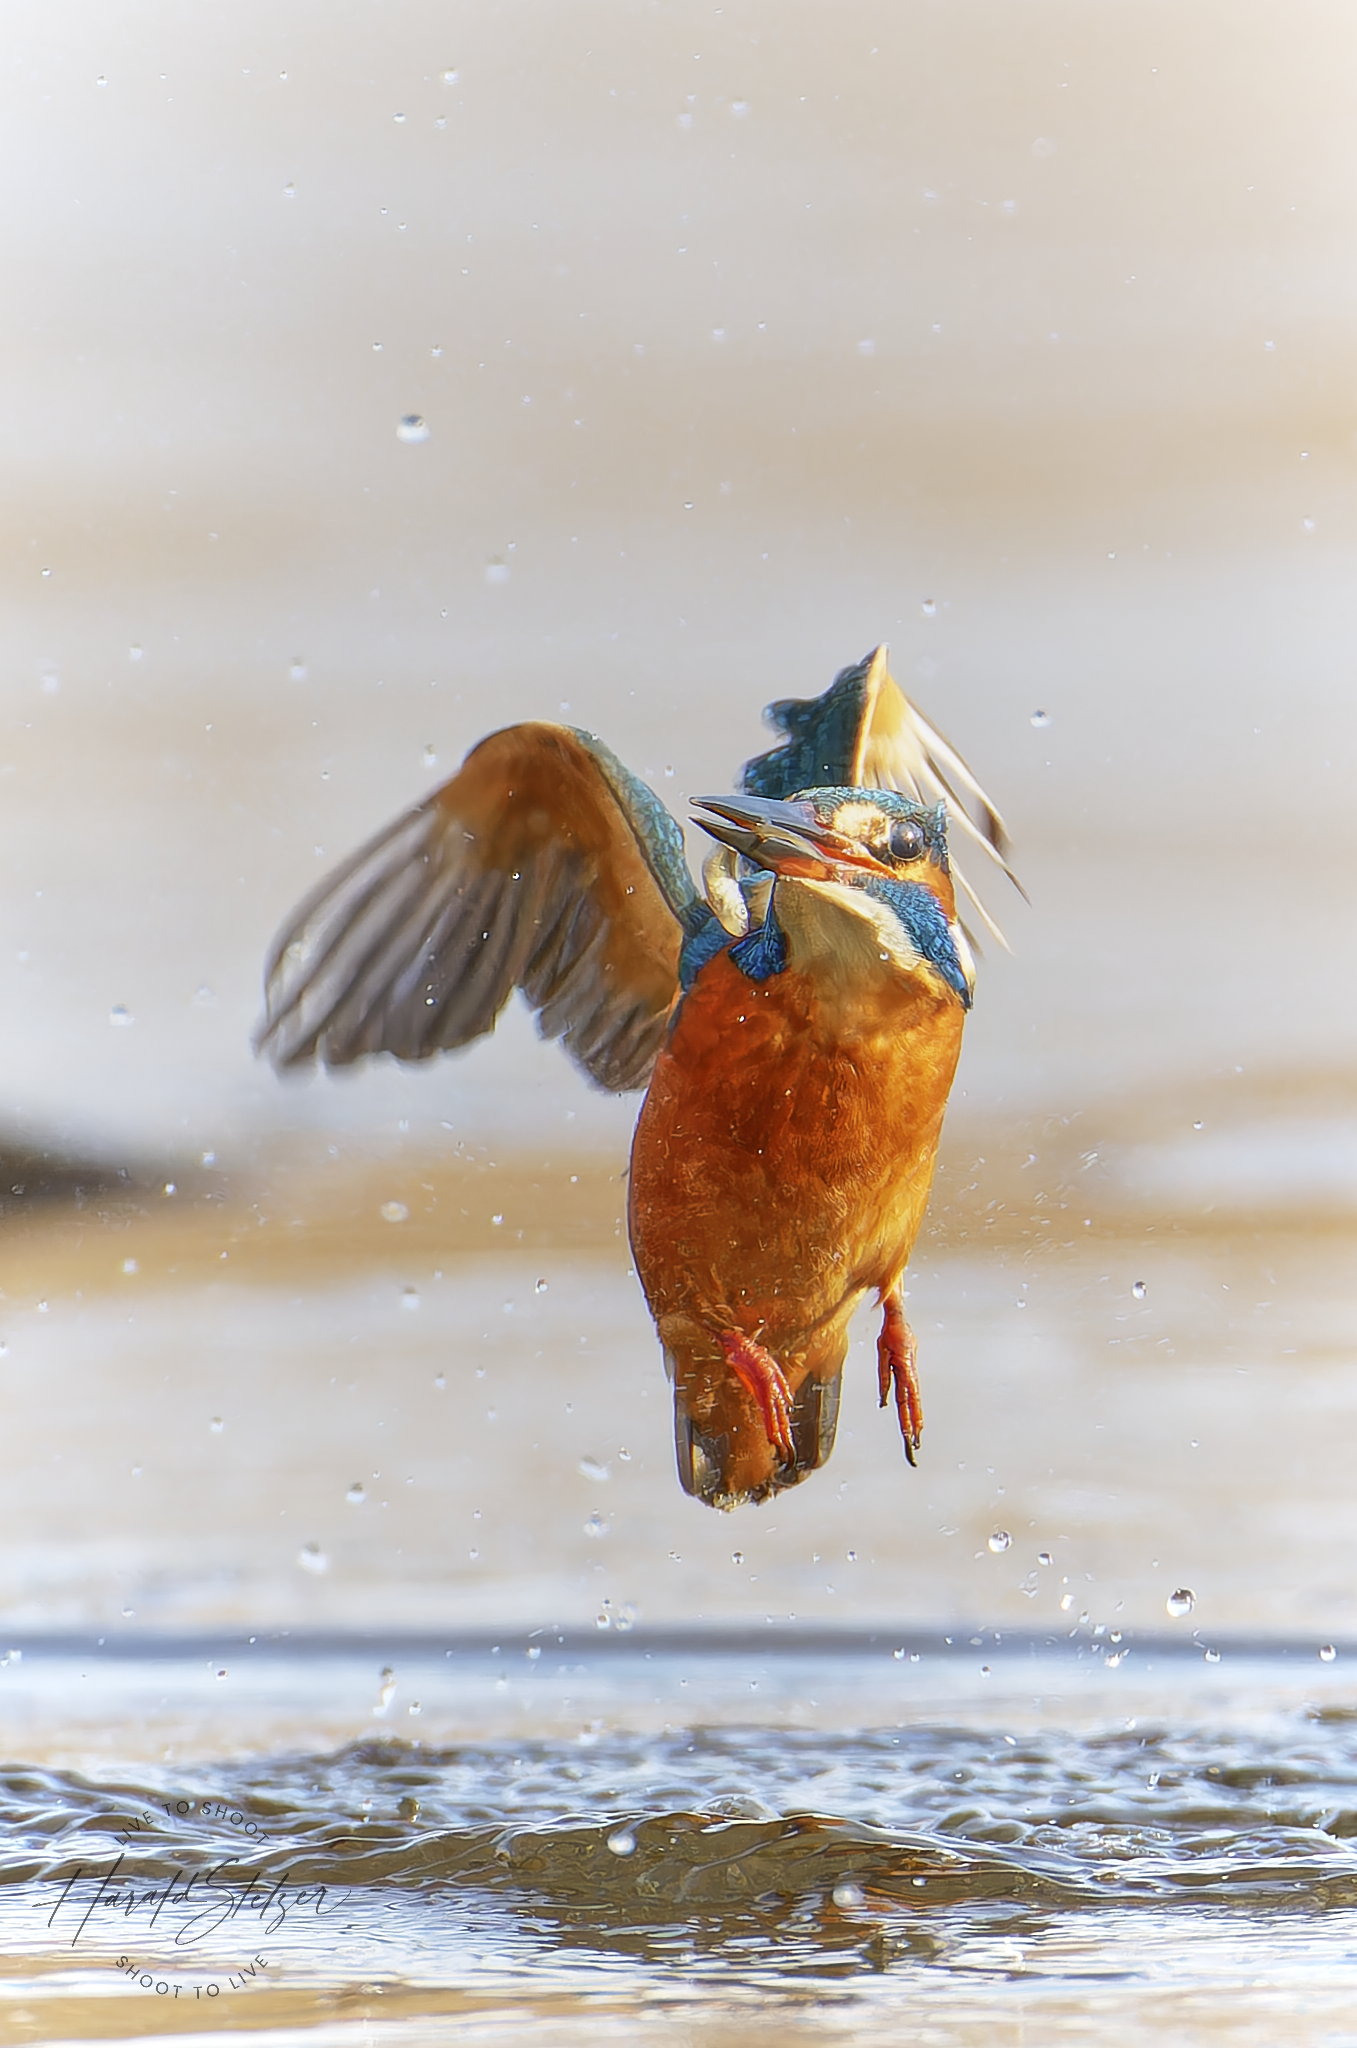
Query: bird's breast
{"points": [[789, 1131]]}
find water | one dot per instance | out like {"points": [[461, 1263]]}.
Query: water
{"points": [[1091, 1859]]}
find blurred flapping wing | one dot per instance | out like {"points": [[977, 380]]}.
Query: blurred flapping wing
{"points": [[864, 733], [542, 865]]}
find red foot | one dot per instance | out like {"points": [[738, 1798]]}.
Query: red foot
{"points": [[895, 1355], [758, 1370]]}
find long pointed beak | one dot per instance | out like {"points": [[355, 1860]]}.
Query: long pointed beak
{"points": [[786, 838]]}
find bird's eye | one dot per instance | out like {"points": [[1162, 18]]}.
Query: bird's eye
{"points": [[906, 841]]}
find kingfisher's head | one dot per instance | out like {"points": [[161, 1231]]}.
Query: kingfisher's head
{"points": [[871, 857]]}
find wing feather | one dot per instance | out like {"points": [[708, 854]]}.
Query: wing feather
{"points": [[864, 733], [543, 865]]}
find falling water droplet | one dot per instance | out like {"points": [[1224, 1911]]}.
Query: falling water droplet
{"points": [[312, 1558], [410, 1297], [594, 1468], [387, 1690], [120, 1014], [1041, 718], [623, 1843], [1327, 1654], [596, 1526], [412, 429], [394, 1212], [929, 607], [216, 1425], [356, 1494], [1181, 1602], [1211, 1656], [1138, 1289], [1044, 1557], [1000, 1540], [737, 1557], [847, 1895], [539, 1287]]}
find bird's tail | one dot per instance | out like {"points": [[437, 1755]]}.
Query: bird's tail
{"points": [[724, 1454]]}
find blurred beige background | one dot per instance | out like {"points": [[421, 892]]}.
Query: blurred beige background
{"points": [[744, 338]]}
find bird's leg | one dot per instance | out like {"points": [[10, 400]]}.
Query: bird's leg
{"points": [[896, 1352], [759, 1371]]}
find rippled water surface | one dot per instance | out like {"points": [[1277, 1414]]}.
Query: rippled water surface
{"points": [[700, 1878]]}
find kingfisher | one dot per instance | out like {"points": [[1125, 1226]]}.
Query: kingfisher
{"points": [[795, 1022]]}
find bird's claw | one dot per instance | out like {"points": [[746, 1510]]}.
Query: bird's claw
{"points": [[758, 1370], [896, 1352]]}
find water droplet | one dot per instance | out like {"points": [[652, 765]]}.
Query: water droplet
{"points": [[1196, 1123], [216, 1425], [408, 1809], [497, 1219], [539, 1287], [430, 756], [312, 1558], [440, 1380], [623, 1843], [394, 1212], [386, 1690], [1041, 718], [1044, 1557], [1138, 1289], [1181, 1602], [129, 1265], [1066, 1602], [1000, 1540], [410, 1297], [847, 1895], [1327, 1654], [737, 1557], [1211, 1656], [594, 1468], [866, 347], [497, 572], [121, 1015], [134, 654], [222, 1673], [899, 1656], [596, 1526], [739, 108], [398, 117], [412, 429], [533, 1652], [413, 1707], [929, 607], [451, 77], [356, 1494]]}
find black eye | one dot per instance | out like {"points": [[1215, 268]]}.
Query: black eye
{"points": [[906, 841]]}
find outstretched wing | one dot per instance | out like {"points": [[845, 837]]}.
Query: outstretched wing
{"points": [[864, 733], [542, 865]]}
